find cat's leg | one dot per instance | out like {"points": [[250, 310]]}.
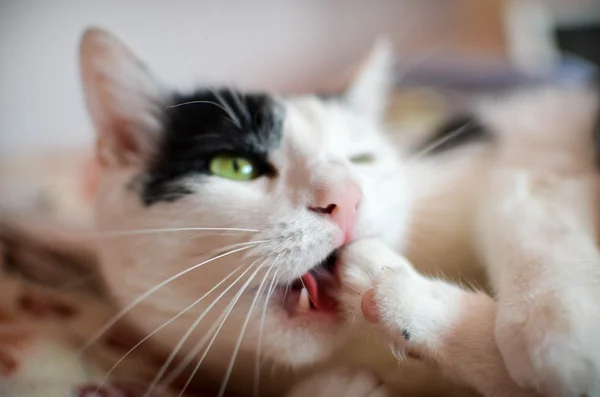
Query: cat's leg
{"points": [[341, 382], [538, 239], [425, 318]]}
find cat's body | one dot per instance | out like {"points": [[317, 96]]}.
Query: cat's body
{"points": [[536, 228], [278, 186]]}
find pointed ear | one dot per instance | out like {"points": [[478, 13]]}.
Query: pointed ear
{"points": [[124, 101], [369, 93]]}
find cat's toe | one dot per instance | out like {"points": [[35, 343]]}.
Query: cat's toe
{"points": [[363, 263]]}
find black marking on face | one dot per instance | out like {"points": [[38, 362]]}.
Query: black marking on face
{"points": [[199, 126], [455, 132], [406, 334]]}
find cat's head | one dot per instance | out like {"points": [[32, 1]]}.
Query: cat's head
{"points": [[232, 197]]}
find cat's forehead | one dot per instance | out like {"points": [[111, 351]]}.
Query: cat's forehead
{"points": [[328, 123]]}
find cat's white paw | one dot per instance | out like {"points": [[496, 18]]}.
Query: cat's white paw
{"points": [[342, 382], [413, 308], [362, 264], [385, 287], [551, 342]]}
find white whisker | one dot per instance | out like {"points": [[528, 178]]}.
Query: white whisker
{"points": [[436, 144], [261, 330], [186, 336], [214, 337], [196, 102], [429, 148], [238, 343], [227, 108], [136, 232], [194, 352], [242, 107], [164, 325], [146, 294]]}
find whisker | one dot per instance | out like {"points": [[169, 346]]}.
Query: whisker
{"points": [[146, 294], [242, 107], [436, 144], [186, 336], [164, 325], [179, 229], [227, 108], [194, 352], [242, 244], [207, 235], [214, 337], [428, 149], [238, 343], [190, 356], [261, 330], [194, 103]]}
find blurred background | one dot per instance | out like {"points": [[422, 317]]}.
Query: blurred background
{"points": [[283, 45]]}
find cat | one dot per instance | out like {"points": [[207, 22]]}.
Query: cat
{"points": [[210, 202]]}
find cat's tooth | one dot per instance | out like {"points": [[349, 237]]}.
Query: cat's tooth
{"points": [[304, 301]]}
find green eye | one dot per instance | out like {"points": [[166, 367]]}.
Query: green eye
{"points": [[233, 167], [364, 158]]}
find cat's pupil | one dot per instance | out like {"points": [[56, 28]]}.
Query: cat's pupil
{"points": [[236, 165]]}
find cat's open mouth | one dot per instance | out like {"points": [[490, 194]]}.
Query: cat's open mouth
{"points": [[313, 292]]}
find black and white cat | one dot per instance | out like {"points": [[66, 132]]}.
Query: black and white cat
{"points": [[233, 212]]}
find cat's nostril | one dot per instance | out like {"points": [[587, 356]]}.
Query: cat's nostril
{"points": [[323, 210]]}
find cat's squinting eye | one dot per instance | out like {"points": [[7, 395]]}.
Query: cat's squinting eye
{"points": [[364, 158], [236, 168]]}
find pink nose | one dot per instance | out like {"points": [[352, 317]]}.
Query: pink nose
{"points": [[340, 205]]}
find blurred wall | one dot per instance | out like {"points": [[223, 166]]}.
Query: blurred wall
{"points": [[277, 44]]}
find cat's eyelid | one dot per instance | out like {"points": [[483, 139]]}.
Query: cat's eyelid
{"points": [[362, 158]]}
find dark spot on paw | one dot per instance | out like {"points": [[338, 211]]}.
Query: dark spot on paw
{"points": [[406, 334]]}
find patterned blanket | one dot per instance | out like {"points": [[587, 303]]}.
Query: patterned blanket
{"points": [[52, 303]]}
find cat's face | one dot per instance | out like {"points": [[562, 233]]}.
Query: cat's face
{"points": [[274, 186]]}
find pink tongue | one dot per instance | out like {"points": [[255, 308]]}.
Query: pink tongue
{"points": [[320, 302]]}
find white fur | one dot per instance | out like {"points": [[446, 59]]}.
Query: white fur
{"points": [[542, 250]]}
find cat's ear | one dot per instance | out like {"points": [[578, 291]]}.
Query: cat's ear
{"points": [[369, 93], [125, 102]]}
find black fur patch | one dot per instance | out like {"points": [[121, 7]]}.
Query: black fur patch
{"points": [[457, 131], [206, 123]]}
